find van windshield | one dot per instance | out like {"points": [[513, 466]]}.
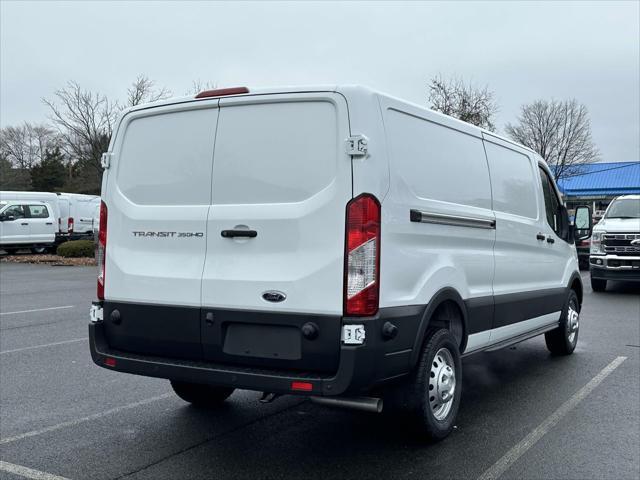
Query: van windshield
{"points": [[627, 208]]}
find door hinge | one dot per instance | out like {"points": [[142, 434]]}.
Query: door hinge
{"points": [[105, 160], [357, 145]]}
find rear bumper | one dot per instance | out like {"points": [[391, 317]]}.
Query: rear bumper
{"points": [[249, 378], [360, 368]]}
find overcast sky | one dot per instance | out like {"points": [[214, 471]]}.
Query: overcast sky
{"points": [[523, 51]]}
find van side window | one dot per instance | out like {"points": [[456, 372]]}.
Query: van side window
{"points": [[16, 211], [551, 202], [38, 211], [512, 181]]}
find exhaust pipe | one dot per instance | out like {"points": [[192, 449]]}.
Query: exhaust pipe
{"points": [[367, 404]]}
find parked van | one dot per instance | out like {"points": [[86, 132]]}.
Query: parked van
{"points": [[333, 242], [26, 224], [77, 214]]}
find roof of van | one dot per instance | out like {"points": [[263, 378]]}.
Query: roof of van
{"points": [[330, 88]]}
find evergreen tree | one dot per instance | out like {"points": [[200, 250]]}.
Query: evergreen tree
{"points": [[50, 174]]}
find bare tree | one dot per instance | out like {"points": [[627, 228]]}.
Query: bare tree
{"points": [[144, 90], [24, 146], [85, 122], [559, 131], [198, 86], [464, 101]]}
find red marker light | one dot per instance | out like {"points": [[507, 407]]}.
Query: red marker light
{"points": [[302, 386], [110, 362], [222, 92]]}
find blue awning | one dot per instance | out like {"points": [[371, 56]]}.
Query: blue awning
{"points": [[603, 179]]}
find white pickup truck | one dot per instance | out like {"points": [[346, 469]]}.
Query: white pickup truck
{"points": [[615, 245], [27, 224]]}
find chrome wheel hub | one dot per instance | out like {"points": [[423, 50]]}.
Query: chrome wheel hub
{"points": [[442, 384], [573, 323]]}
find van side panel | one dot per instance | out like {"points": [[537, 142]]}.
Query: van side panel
{"points": [[158, 195], [439, 170], [526, 283]]}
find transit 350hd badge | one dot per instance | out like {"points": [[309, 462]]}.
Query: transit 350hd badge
{"points": [[169, 234]]}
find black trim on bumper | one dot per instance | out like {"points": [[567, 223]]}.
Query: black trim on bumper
{"points": [[615, 275], [359, 368]]}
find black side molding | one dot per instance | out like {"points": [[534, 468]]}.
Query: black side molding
{"points": [[415, 215], [451, 220]]}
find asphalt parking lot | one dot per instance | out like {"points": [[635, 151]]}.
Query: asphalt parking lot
{"points": [[524, 413]]}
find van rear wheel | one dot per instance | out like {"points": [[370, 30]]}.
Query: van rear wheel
{"points": [[434, 390], [200, 395]]}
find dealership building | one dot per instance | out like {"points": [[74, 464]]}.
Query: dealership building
{"points": [[596, 184]]}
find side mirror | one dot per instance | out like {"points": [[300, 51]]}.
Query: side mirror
{"points": [[583, 224], [7, 218]]}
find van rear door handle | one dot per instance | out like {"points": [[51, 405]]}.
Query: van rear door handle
{"points": [[49, 223], [239, 233], [540, 236]]}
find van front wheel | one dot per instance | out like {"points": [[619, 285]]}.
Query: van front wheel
{"points": [[200, 395], [563, 340], [436, 386]]}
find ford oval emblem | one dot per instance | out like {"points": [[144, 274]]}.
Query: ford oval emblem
{"points": [[274, 296]]}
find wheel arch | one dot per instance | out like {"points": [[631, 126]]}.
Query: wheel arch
{"points": [[575, 283], [442, 297]]}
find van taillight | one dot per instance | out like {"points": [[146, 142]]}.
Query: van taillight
{"points": [[102, 249], [70, 225], [362, 256]]}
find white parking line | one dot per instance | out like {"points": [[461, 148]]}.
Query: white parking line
{"points": [[45, 345], [37, 310], [502, 465], [28, 472], [78, 421]]}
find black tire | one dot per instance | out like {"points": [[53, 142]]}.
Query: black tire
{"points": [[420, 392], [199, 395], [598, 284], [563, 340]]}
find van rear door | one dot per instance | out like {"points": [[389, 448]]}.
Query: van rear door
{"points": [[158, 193], [275, 230]]}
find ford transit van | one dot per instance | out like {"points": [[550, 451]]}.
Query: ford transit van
{"points": [[333, 242]]}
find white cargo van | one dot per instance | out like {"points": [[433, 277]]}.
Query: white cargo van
{"points": [[27, 224], [333, 242], [77, 214]]}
